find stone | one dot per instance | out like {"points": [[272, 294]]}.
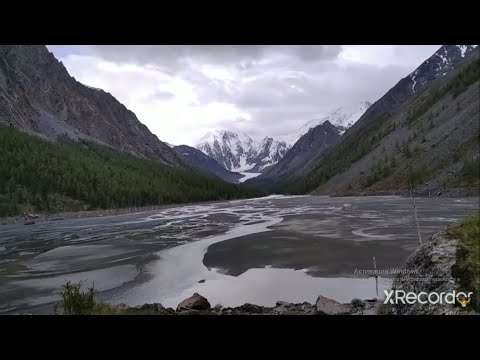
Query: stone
{"points": [[154, 307], [326, 306], [195, 302], [251, 308], [201, 281]]}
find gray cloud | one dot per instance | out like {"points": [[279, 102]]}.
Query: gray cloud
{"points": [[280, 87], [242, 55]]}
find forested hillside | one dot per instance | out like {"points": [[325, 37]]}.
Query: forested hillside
{"points": [[45, 176]]}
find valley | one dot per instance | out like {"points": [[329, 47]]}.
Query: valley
{"points": [[299, 206]]}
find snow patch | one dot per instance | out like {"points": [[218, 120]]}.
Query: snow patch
{"points": [[248, 175], [414, 83], [463, 49]]}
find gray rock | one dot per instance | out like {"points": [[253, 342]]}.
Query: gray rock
{"points": [[251, 308], [154, 307], [326, 306], [432, 263], [195, 302]]}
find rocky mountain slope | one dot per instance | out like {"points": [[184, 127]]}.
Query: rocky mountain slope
{"points": [[425, 126], [238, 152], [426, 135], [298, 159], [204, 163], [38, 96]]}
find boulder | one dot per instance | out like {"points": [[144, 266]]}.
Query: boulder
{"points": [[326, 306], [195, 302]]}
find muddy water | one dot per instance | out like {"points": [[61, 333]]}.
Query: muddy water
{"points": [[258, 251]]}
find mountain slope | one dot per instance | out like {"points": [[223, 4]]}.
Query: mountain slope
{"points": [[238, 152], [435, 68], [37, 95], [426, 134], [297, 160], [198, 160]]}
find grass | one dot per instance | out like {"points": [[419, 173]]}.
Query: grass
{"points": [[74, 301], [467, 266]]}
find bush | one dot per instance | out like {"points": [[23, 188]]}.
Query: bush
{"points": [[76, 302]]}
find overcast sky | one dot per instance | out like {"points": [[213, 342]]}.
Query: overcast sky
{"points": [[181, 92]]}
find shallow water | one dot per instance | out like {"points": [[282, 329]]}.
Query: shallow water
{"points": [[259, 251]]}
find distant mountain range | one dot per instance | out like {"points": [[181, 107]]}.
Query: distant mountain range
{"points": [[238, 152]]}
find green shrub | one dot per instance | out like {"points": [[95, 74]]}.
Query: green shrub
{"points": [[76, 302]]}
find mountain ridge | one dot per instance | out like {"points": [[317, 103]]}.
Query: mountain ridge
{"points": [[38, 96]]}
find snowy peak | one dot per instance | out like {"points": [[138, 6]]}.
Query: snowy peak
{"points": [[438, 65], [270, 152], [238, 152], [342, 118]]}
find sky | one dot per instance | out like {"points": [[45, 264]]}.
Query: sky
{"points": [[180, 92]]}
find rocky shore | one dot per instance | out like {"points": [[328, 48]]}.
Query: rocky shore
{"points": [[199, 305]]}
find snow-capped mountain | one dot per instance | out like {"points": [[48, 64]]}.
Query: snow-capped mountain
{"points": [[238, 152], [270, 152], [342, 118], [438, 65]]}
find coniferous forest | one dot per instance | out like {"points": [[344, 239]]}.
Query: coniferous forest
{"points": [[51, 177]]}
